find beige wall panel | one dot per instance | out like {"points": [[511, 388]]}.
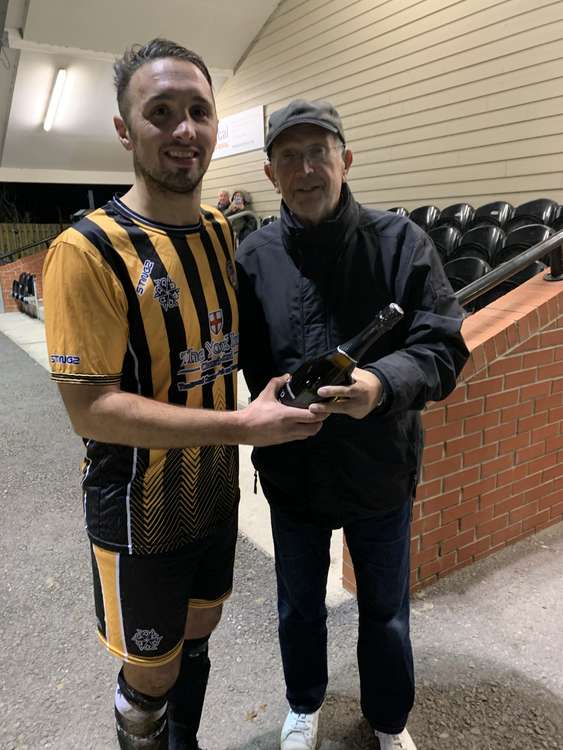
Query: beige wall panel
{"points": [[442, 100], [423, 50]]}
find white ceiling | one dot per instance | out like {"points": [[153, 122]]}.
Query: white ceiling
{"points": [[84, 37]]}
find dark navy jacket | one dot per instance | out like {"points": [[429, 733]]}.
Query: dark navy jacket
{"points": [[302, 292]]}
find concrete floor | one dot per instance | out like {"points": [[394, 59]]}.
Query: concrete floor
{"points": [[488, 640]]}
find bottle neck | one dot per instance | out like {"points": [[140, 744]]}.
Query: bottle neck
{"points": [[358, 345]]}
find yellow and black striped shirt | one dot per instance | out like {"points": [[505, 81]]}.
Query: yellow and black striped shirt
{"points": [[153, 308]]}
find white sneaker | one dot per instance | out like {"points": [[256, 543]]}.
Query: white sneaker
{"points": [[401, 741], [299, 731]]}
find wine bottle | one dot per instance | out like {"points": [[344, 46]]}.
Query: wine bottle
{"points": [[335, 367]]}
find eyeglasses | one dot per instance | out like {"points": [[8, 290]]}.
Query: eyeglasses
{"points": [[314, 156]]}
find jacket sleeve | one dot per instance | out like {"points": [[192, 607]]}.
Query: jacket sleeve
{"points": [[255, 357], [432, 352]]}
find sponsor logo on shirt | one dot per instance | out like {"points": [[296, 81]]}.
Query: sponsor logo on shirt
{"points": [[148, 265], [64, 359], [214, 359], [166, 292]]}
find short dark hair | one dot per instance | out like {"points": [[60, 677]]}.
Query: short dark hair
{"points": [[138, 55]]}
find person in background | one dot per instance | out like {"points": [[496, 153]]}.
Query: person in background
{"points": [[308, 282], [243, 225], [223, 200], [142, 332]]}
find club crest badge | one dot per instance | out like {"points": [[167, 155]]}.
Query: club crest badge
{"points": [[216, 322], [166, 292]]}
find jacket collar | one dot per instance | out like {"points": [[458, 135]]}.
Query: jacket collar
{"points": [[316, 249]]}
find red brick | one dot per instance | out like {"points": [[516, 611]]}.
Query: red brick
{"points": [[426, 556], [534, 391], [557, 385], [434, 417], [466, 476], [416, 527], [539, 491], [479, 455], [439, 435], [532, 423], [489, 527], [438, 535], [506, 535], [554, 473], [517, 412], [502, 400], [476, 424], [554, 443], [496, 465], [429, 489], [533, 523], [437, 566], [528, 483], [521, 378], [505, 430], [416, 510], [467, 409], [556, 511], [479, 546], [534, 359], [556, 415], [549, 372], [551, 338], [459, 511], [548, 431], [512, 475], [440, 502], [507, 364], [524, 512], [510, 504], [429, 523], [501, 343], [485, 387], [479, 488], [474, 519], [527, 454], [467, 442], [441, 468], [512, 444], [540, 464], [432, 453], [551, 402], [458, 395], [458, 541], [527, 346]]}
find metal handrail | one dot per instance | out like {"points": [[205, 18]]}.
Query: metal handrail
{"points": [[31, 245], [553, 245], [240, 214]]}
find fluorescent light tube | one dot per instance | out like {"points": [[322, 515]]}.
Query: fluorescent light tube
{"points": [[54, 101]]}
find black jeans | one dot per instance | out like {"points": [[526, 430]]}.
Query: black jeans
{"points": [[380, 551]]}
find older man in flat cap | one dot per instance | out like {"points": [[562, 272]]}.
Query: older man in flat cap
{"points": [[307, 283]]}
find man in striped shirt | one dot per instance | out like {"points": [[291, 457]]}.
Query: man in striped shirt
{"points": [[142, 331]]}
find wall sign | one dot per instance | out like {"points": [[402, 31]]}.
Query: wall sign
{"points": [[241, 132]]}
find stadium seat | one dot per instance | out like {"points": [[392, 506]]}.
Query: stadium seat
{"points": [[483, 241], [458, 215], [541, 211], [498, 213], [446, 240], [15, 289], [425, 216], [398, 210], [462, 271], [267, 220], [522, 238]]}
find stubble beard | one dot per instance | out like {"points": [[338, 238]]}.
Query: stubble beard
{"points": [[180, 181]]}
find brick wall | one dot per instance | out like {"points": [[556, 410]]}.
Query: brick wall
{"points": [[11, 271], [493, 459]]}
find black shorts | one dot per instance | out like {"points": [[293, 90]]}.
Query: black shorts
{"points": [[142, 600]]}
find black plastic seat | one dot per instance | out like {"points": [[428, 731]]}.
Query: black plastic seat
{"points": [[446, 240], [462, 271], [458, 215], [268, 220], [15, 289], [425, 216], [522, 238], [400, 210], [484, 241], [541, 211], [498, 213]]}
